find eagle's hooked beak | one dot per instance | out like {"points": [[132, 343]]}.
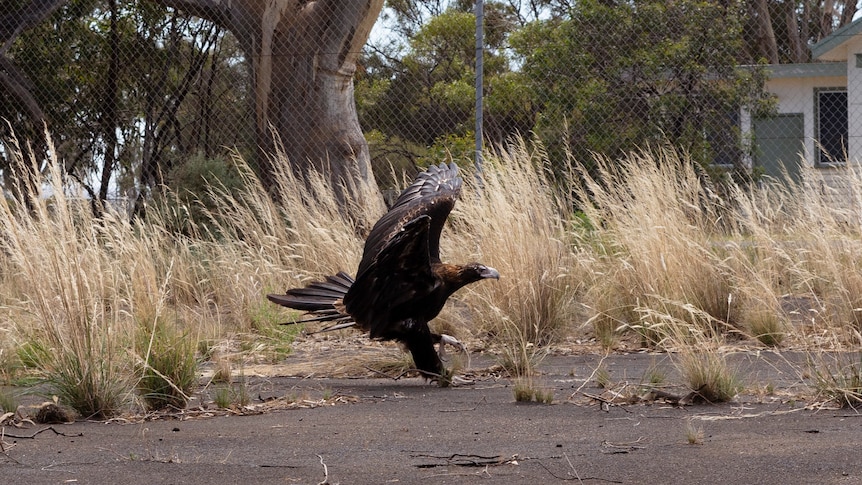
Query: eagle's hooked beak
{"points": [[489, 273]]}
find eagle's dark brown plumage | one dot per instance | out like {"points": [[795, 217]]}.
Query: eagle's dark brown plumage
{"points": [[401, 284]]}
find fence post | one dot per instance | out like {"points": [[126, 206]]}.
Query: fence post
{"points": [[480, 16]]}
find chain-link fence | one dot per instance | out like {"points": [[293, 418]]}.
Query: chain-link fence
{"points": [[139, 93]]}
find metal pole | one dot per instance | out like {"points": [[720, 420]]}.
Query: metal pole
{"points": [[480, 33]]}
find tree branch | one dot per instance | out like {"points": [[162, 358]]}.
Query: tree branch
{"points": [[26, 17], [216, 11], [12, 81]]}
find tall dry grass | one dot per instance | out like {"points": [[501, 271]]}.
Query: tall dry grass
{"points": [[687, 268], [69, 296], [659, 220], [657, 253], [515, 219], [87, 301], [667, 242]]}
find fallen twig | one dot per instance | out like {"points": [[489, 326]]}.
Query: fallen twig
{"points": [[49, 428], [623, 447], [607, 403], [569, 477], [325, 472], [460, 459], [592, 375], [383, 374]]}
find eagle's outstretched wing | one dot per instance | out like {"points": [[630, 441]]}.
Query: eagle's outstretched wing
{"points": [[432, 193], [399, 252]]}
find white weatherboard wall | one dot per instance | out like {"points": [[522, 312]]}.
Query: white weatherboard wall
{"points": [[794, 85], [845, 45], [837, 64], [854, 99]]}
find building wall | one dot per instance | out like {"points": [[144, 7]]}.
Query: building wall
{"points": [[854, 100], [796, 95]]}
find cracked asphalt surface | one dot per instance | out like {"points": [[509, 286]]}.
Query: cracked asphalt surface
{"points": [[376, 430]]}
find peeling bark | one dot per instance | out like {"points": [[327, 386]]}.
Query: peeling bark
{"points": [[303, 56], [798, 52], [766, 35], [15, 83]]}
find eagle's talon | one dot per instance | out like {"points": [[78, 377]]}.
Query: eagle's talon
{"points": [[450, 340]]}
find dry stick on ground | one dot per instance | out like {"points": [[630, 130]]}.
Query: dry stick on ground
{"points": [[592, 375], [4, 434], [49, 428], [394, 378], [461, 459], [651, 396], [656, 394], [609, 447], [608, 403], [573, 478], [325, 472], [573, 475], [455, 379], [567, 478], [4, 450], [574, 472]]}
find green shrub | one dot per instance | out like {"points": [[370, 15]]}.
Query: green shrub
{"points": [[168, 369]]}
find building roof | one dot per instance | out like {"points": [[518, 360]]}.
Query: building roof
{"points": [[816, 69], [833, 47]]}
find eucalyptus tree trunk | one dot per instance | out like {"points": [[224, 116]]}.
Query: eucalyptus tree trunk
{"points": [[303, 56], [15, 85], [765, 33]]}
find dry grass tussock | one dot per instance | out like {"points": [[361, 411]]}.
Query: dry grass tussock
{"points": [[97, 306], [517, 221], [682, 266], [658, 257], [667, 243], [656, 220]]}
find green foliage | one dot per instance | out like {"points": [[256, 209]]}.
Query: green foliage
{"points": [[91, 381], [837, 377], [168, 368], [82, 372], [191, 204], [10, 364], [424, 104], [228, 397], [159, 83], [612, 78], [429, 94], [449, 147], [277, 339], [8, 402], [32, 353], [583, 77], [193, 178], [232, 396]]}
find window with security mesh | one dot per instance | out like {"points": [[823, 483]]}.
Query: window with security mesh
{"points": [[831, 125]]}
